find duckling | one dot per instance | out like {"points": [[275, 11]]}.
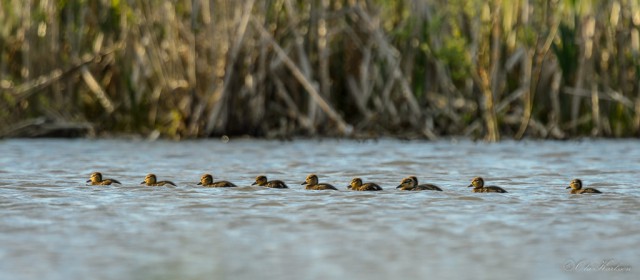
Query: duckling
{"points": [[478, 186], [312, 184], [150, 180], [411, 184], [276, 184], [206, 180], [576, 186], [357, 185], [96, 179]]}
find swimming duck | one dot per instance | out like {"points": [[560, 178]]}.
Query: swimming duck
{"points": [[96, 179], [312, 184], [150, 180], [276, 184], [357, 185], [576, 187], [478, 186], [411, 184], [206, 180]]}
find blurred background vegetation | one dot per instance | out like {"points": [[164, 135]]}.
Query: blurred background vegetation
{"points": [[358, 68]]}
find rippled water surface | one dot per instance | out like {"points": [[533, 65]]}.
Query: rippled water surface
{"points": [[53, 226]]}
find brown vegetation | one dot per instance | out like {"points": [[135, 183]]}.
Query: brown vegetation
{"points": [[364, 68]]}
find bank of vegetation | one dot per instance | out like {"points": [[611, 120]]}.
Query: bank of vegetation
{"points": [[361, 68]]}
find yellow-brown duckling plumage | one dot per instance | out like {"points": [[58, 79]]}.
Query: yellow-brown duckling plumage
{"points": [[206, 180], [357, 185], [312, 184], [576, 187], [96, 179], [151, 180], [274, 184], [478, 186], [411, 184]]}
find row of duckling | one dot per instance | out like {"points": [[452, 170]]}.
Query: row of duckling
{"points": [[407, 184]]}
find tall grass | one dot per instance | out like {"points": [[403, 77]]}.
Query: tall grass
{"points": [[364, 68]]}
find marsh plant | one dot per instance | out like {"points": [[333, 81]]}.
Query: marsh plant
{"points": [[277, 68]]}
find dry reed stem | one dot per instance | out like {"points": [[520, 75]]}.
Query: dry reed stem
{"points": [[343, 127], [554, 96], [95, 87], [304, 121], [595, 109], [390, 54], [529, 92], [219, 99], [304, 65]]}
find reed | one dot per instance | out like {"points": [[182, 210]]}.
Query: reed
{"points": [[361, 68]]}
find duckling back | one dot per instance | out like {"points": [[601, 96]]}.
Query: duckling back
{"points": [[162, 183], [109, 182], [589, 190], [220, 184], [425, 187], [489, 189], [105, 182], [320, 187], [276, 184], [367, 187]]}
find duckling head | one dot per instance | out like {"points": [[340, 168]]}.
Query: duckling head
{"points": [[312, 179], [355, 183], [149, 179], [575, 184], [95, 177], [260, 181], [408, 183], [477, 182], [415, 180], [206, 179]]}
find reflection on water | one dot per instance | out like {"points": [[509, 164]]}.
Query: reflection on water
{"points": [[53, 226]]}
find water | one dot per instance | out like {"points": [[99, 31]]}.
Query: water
{"points": [[52, 226]]}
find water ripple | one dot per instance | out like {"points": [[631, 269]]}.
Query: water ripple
{"points": [[54, 226]]}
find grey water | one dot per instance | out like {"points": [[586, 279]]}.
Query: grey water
{"points": [[54, 226]]}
